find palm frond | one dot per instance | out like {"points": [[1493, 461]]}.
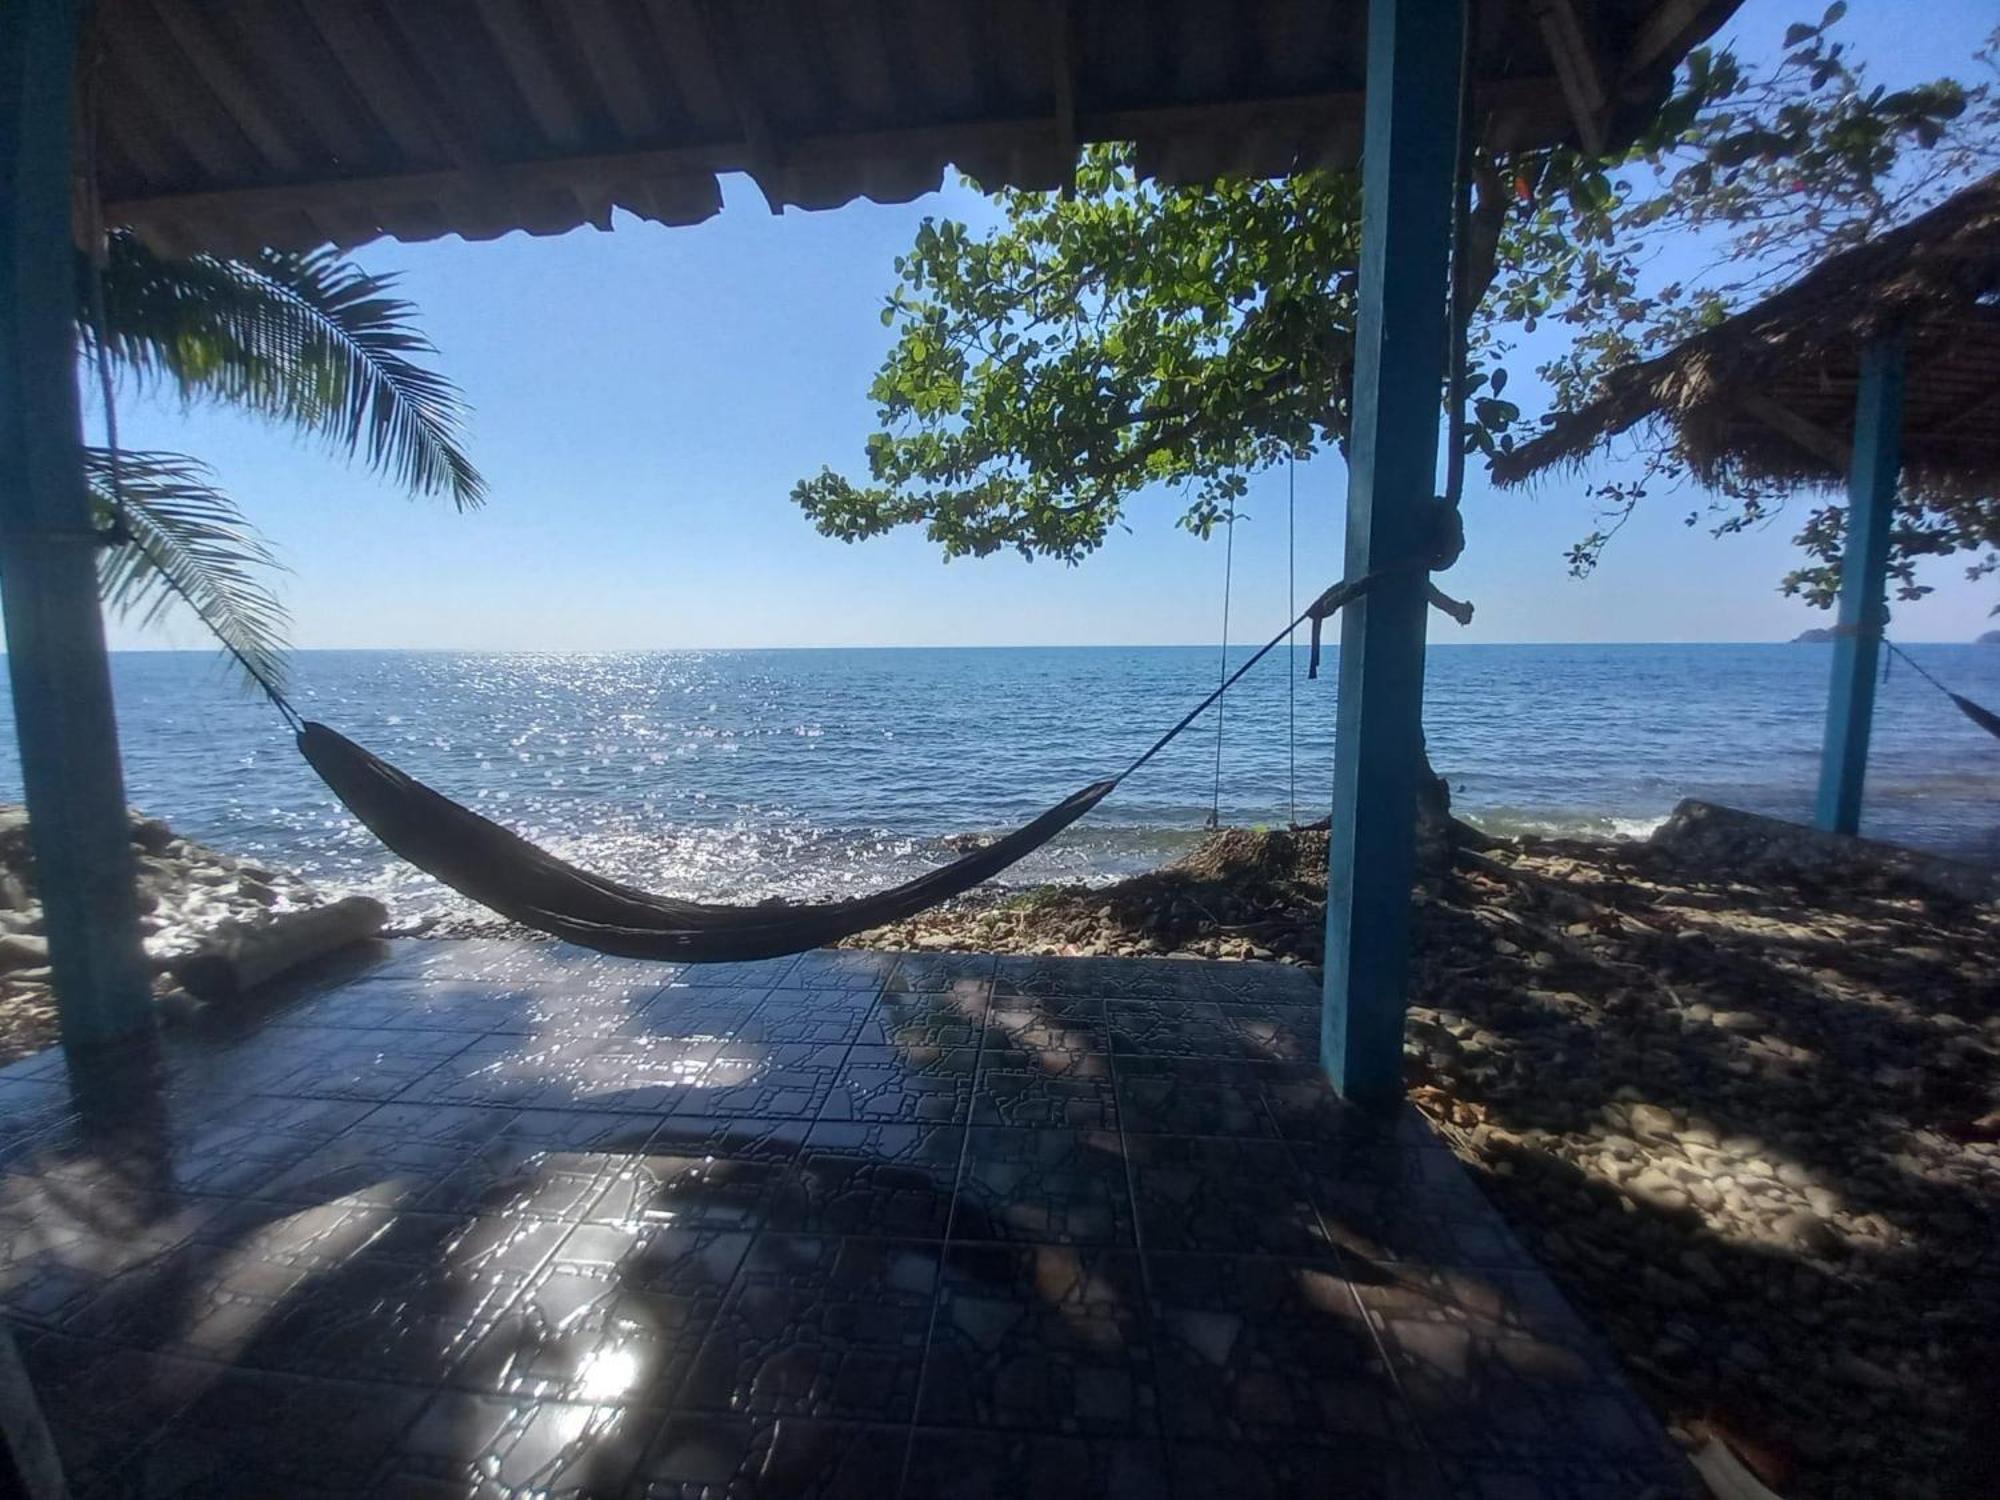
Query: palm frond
{"points": [[189, 545], [308, 339]]}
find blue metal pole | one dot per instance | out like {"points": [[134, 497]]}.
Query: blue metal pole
{"points": [[1407, 159], [48, 554], [1864, 579]]}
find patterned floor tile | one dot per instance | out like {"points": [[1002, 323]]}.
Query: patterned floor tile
{"points": [[1496, 1365], [806, 1018], [335, 1434], [761, 973], [512, 1448], [501, 1218], [541, 1163], [927, 1018], [1398, 1203], [1048, 1023], [1276, 1033], [822, 1327], [407, 1308], [1181, 1028], [395, 1154], [719, 1173], [839, 969], [1051, 1186], [931, 973], [1190, 1096], [927, 1085], [1304, 1107], [1254, 1348], [783, 1082], [695, 1013], [405, 1005], [1355, 1470], [1034, 1466], [60, 1248], [103, 1402], [1045, 1087], [1049, 1338], [707, 1457], [564, 1006], [1552, 1478], [873, 1177], [615, 1316], [1222, 1193]]}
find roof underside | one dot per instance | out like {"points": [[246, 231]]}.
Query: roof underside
{"points": [[1769, 393], [222, 125]]}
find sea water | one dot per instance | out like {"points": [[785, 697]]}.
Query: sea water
{"points": [[738, 775]]}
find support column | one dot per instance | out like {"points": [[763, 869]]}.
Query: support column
{"points": [[48, 560], [1864, 580], [1409, 146]]}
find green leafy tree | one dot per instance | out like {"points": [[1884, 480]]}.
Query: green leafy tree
{"points": [[1133, 340], [311, 341]]}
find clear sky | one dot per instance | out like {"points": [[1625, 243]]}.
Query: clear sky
{"points": [[643, 401]]}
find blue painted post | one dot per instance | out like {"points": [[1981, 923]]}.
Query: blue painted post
{"points": [[48, 558], [1864, 579], [1407, 160]]}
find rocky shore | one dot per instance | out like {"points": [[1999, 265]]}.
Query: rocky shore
{"points": [[187, 893], [1743, 1105]]}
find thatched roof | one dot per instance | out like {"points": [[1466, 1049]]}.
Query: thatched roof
{"points": [[1769, 393], [228, 124]]}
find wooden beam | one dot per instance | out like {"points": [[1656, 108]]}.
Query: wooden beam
{"points": [[1979, 408], [56, 660], [1576, 69], [1807, 434], [1864, 581], [1664, 32], [1408, 155]]}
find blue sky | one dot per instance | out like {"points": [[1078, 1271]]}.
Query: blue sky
{"points": [[644, 400]]}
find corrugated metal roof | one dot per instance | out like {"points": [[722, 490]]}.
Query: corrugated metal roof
{"points": [[226, 124]]}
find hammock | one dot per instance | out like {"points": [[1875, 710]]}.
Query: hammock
{"points": [[501, 870], [504, 872]]}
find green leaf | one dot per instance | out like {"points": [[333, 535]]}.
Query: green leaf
{"points": [[190, 547], [309, 340]]}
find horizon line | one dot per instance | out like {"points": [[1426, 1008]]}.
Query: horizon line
{"points": [[1299, 645]]}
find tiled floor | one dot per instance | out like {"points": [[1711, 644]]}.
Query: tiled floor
{"points": [[509, 1220]]}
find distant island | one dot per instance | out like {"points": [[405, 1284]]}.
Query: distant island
{"points": [[1991, 638], [1819, 635]]}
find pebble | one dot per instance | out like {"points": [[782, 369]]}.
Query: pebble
{"points": [[1651, 1121], [1810, 1233]]}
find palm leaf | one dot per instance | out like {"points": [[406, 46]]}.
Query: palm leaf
{"points": [[189, 545], [307, 339]]}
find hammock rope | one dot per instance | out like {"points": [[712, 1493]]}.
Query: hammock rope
{"points": [[1222, 664], [1985, 718]]}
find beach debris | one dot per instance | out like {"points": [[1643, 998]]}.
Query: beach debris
{"points": [[188, 894], [238, 956]]}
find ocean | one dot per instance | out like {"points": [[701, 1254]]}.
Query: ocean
{"points": [[740, 775]]}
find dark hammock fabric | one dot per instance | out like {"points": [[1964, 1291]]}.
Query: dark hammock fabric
{"points": [[500, 869], [1985, 718]]}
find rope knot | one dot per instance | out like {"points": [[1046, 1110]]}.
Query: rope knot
{"points": [[1447, 534]]}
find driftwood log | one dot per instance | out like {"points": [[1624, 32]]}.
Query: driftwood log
{"points": [[238, 958]]}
